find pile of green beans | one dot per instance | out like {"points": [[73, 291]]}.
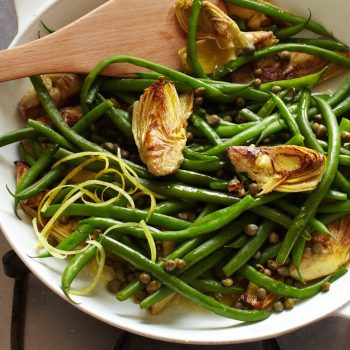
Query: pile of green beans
{"points": [[221, 243]]}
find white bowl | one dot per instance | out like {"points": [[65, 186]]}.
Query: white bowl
{"points": [[182, 322]]}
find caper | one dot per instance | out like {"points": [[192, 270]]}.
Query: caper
{"points": [[170, 265], [240, 102], [189, 136], [198, 101], [283, 271], [258, 72], [278, 306], [218, 296], [285, 56], [261, 293], [180, 263], [109, 146], [120, 274], [199, 91], [145, 278], [256, 83], [249, 49], [153, 286], [227, 118], [253, 188], [276, 57], [239, 119], [276, 89], [345, 135], [251, 229], [272, 265], [213, 120], [257, 255], [321, 130], [318, 118], [288, 303], [274, 237], [227, 282], [325, 287], [239, 52], [267, 272], [113, 286]]}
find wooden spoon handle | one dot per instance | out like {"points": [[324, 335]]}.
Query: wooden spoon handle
{"points": [[142, 28]]}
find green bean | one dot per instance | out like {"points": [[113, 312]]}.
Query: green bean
{"points": [[342, 182], [191, 38], [94, 90], [121, 213], [269, 253], [178, 285], [75, 265], [210, 91], [336, 195], [213, 221], [280, 14], [39, 166], [25, 155], [342, 107], [125, 97], [202, 165], [297, 254], [177, 190], [219, 185], [307, 82], [173, 206], [119, 118], [303, 122], [188, 276], [36, 147], [292, 209], [321, 42], [242, 137], [51, 134], [231, 130], [77, 237], [294, 47], [284, 290], [309, 207], [57, 119], [296, 140], [286, 33], [190, 154], [212, 286], [286, 115], [238, 243], [180, 251], [92, 116], [249, 249], [249, 115], [40, 185], [205, 129], [18, 135]]}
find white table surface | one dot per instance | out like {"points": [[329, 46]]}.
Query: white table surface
{"points": [[52, 323]]}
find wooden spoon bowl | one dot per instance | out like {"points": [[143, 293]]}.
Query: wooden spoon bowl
{"points": [[146, 29]]}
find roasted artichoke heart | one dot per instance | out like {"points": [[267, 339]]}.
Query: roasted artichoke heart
{"points": [[62, 87], [324, 254], [279, 168], [159, 127], [218, 36]]}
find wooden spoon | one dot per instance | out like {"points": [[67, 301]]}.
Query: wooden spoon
{"points": [[143, 28]]}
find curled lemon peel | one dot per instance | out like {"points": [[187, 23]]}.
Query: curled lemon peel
{"points": [[150, 240], [100, 259]]}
